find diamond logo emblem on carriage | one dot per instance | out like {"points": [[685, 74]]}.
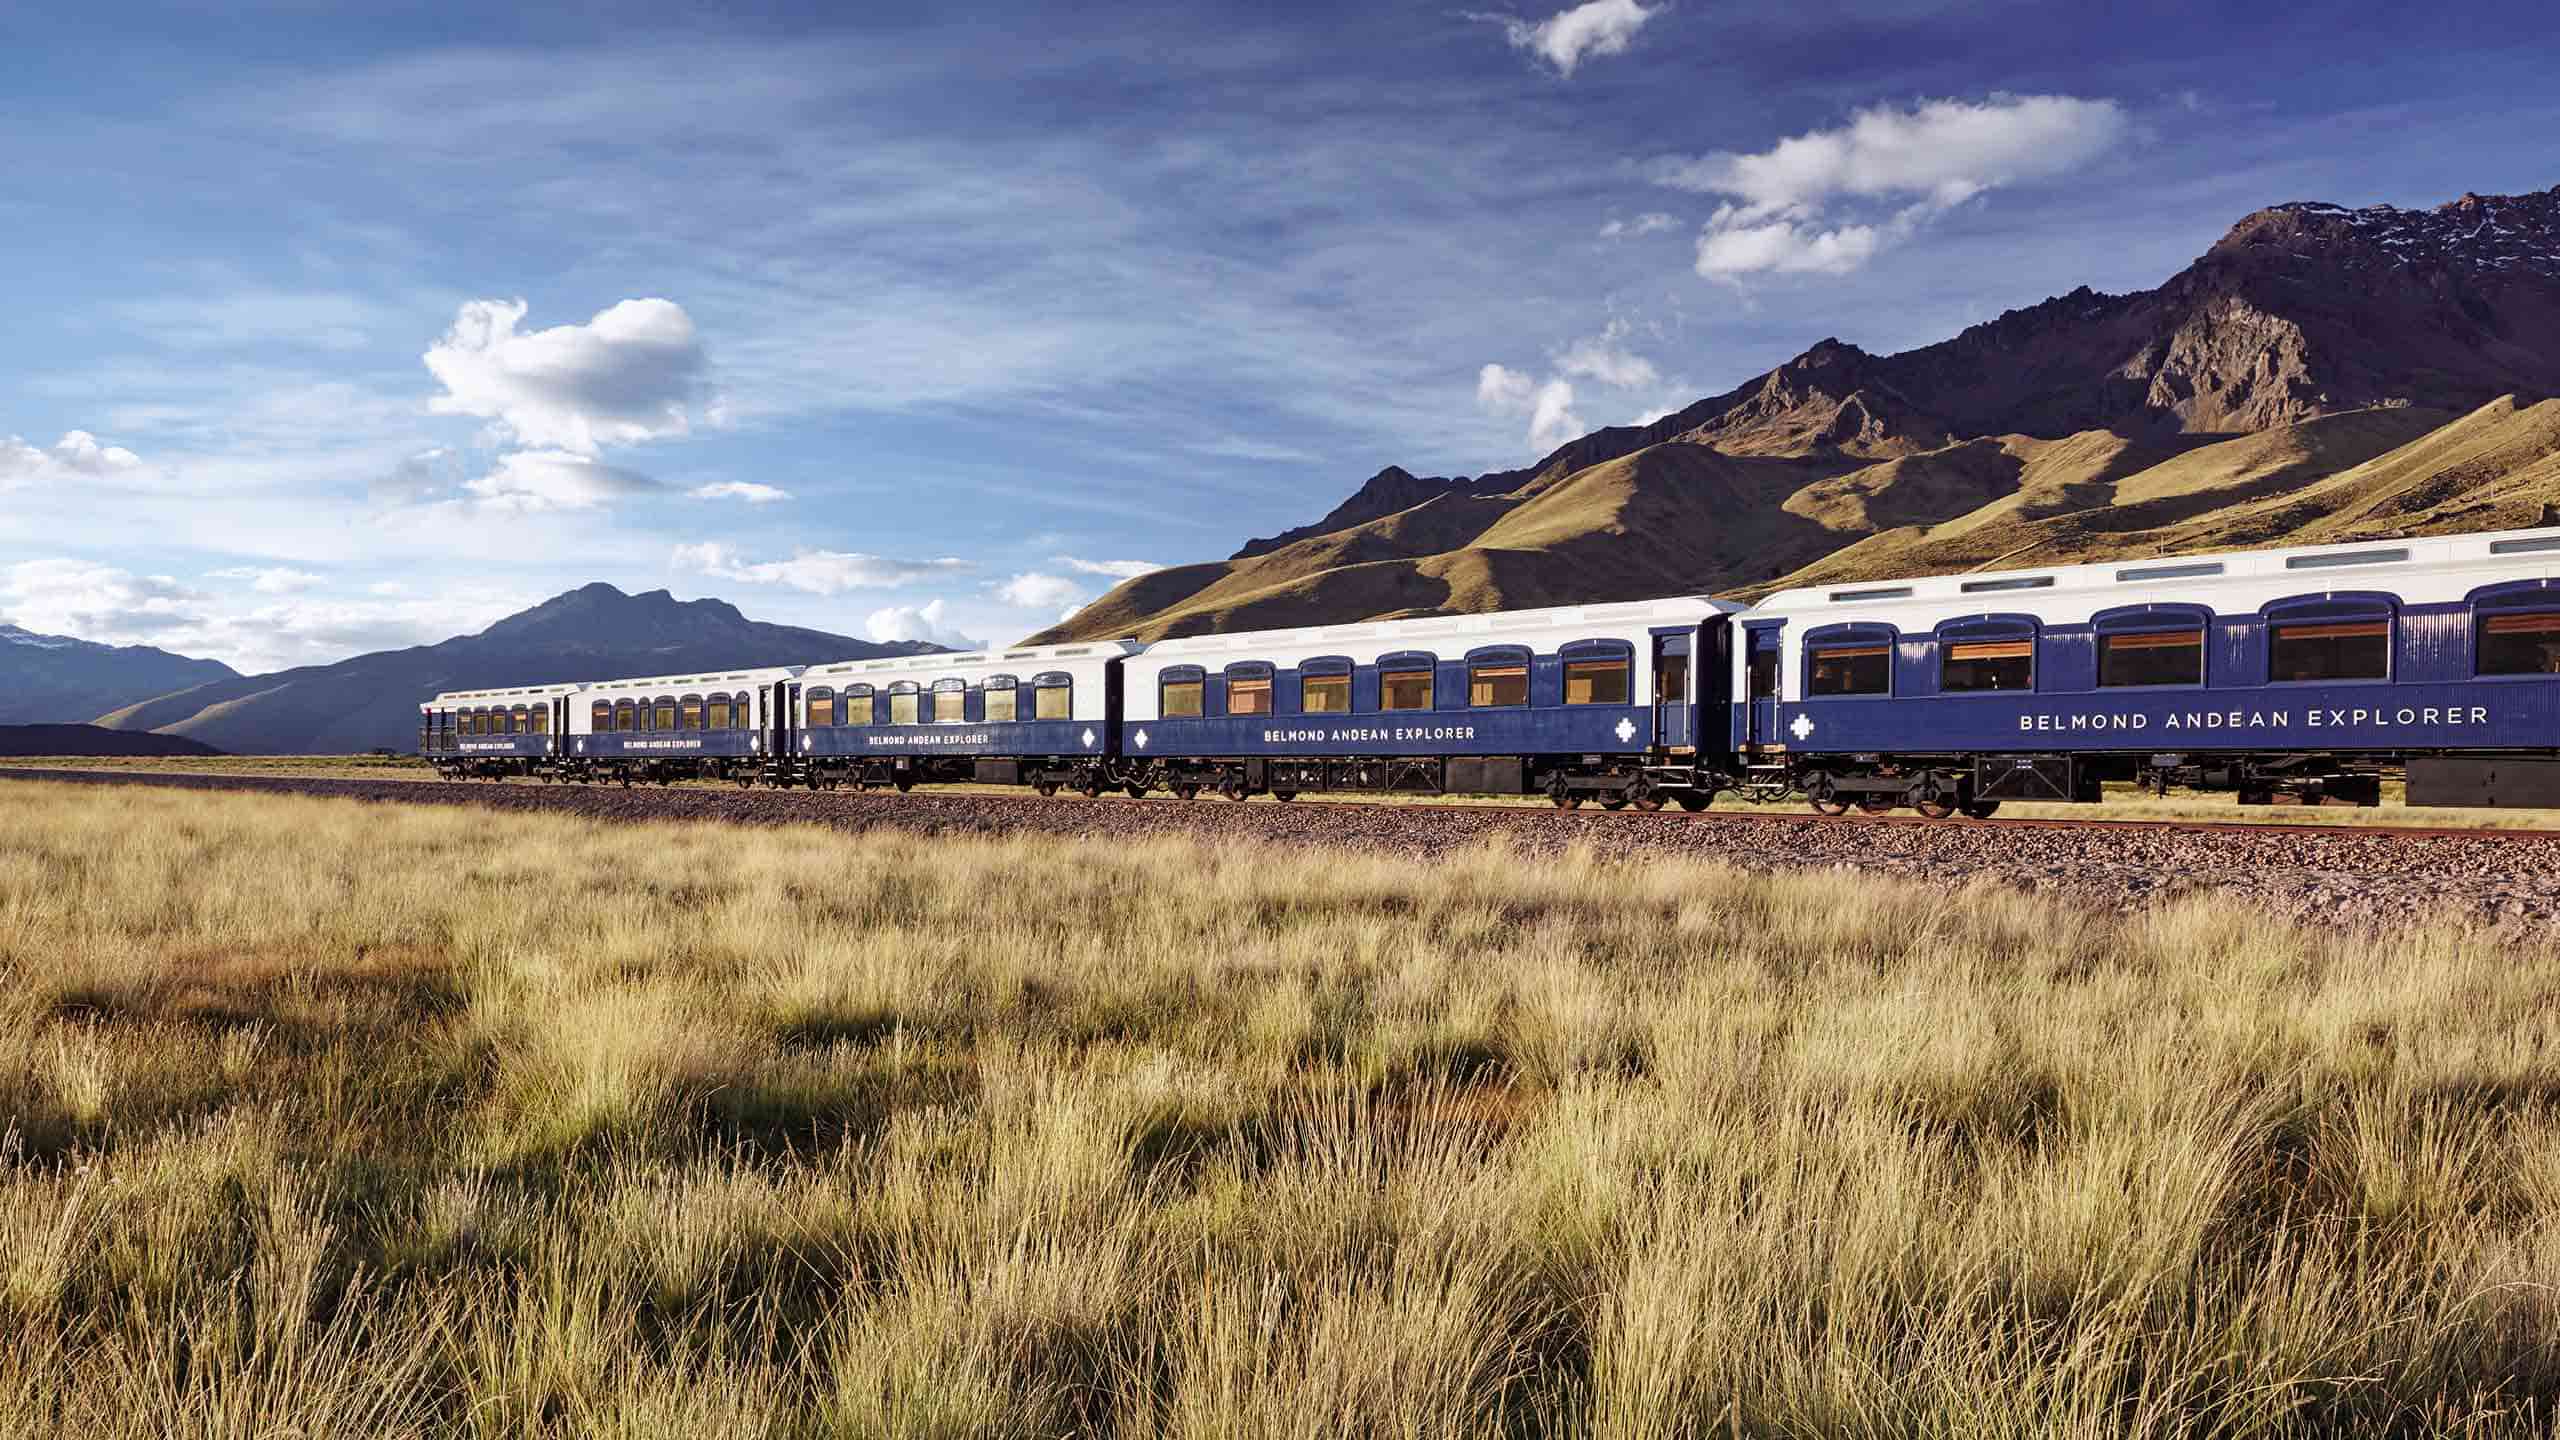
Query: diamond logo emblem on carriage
{"points": [[1141, 738], [1626, 730], [1088, 739], [806, 742], [1802, 729]]}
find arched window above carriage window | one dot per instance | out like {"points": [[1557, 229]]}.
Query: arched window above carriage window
{"points": [[822, 707], [2515, 629], [1849, 660], [1324, 685], [1497, 676], [1987, 653], [2151, 645], [1599, 672], [1053, 696], [1404, 680], [2327, 638]]}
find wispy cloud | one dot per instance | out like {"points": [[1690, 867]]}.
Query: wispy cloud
{"points": [[270, 580], [1034, 590], [1651, 222], [1568, 37], [1501, 390], [818, 572], [1116, 569], [747, 490], [77, 456], [1929, 157], [532, 480]]}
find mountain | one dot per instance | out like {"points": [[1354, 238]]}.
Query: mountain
{"points": [[596, 632], [93, 740], [2318, 373], [49, 678]]}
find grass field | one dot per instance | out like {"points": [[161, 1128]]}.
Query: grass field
{"points": [[330, 1120], [2124, 801]]}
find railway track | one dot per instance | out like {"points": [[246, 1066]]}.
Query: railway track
{"points": [[2366, 875]]}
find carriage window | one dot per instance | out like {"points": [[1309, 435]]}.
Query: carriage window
{"points": [[626, 717], [692, 715], [857, 710], [950, 705], [1249, 697], [902, 708], [2338, 650], [822, 710], [2174, 657], [1851, 670], [1050, 702], [1404, 690], [1181, 698], [1325, 695], [2520, 644], [716, 715], [1989, 665], [1498, 685], [666, 715], [1001, 705], [1595, 682], [600, 717], [538, 722], [1761, 674]]}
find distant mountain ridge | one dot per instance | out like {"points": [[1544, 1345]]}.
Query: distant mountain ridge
{"points": [[595, 632], [2318, 372], [94, 740], [49, 679]]}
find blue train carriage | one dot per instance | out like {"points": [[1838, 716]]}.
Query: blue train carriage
{"points": [[2304, 674], [491, 734], [663, 728], [1580, 702], [1036, 715]]}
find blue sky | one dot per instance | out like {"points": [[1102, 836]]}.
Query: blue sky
{"points": [[331, 334]]}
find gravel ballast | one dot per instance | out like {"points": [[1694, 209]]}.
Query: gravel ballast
{"points": [[2326, 874]]}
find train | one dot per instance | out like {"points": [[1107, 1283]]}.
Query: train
{"points": [[2307, 674]]}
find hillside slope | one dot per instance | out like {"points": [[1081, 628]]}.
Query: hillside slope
{"points": [[596, 632], [2318, 373], [55, 679]]}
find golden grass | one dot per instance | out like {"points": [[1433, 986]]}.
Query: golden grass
{"points": [[330, 1120]]}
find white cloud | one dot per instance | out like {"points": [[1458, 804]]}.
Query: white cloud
{"points": [[277, 580], [529, 481], [1651, 222], [1566, 38], [89, 601], [386, 588], [747, 490], [625, 376], [819, 572], [1932, 156], [1116, 569], [78, 454], [925, 622], [1033, 590], [1501, 390], [1600, 357]]}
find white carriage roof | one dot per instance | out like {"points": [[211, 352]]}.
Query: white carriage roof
{"points": [[483, 697], [1680, 609], [1033, 655], [2413, 555], [697, 682]]}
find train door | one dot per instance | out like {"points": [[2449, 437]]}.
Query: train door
{"points": [[785, 727], [1760, 682], [557, 742], [1672, 729]]}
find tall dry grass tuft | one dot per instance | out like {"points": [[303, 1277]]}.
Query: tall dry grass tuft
{"points": [[327, 1120]]}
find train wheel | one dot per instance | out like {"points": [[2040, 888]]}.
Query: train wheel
{"points": [[1647, 802], [1565, 799], [1876, 804], [1284, 796], [1046, 788], [1933, 802], [1233, 788], [1091, 789], [1694, 802], [903, 781], [1981, 809], [1137, 790], [1186, 792], [1614, 802]]}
